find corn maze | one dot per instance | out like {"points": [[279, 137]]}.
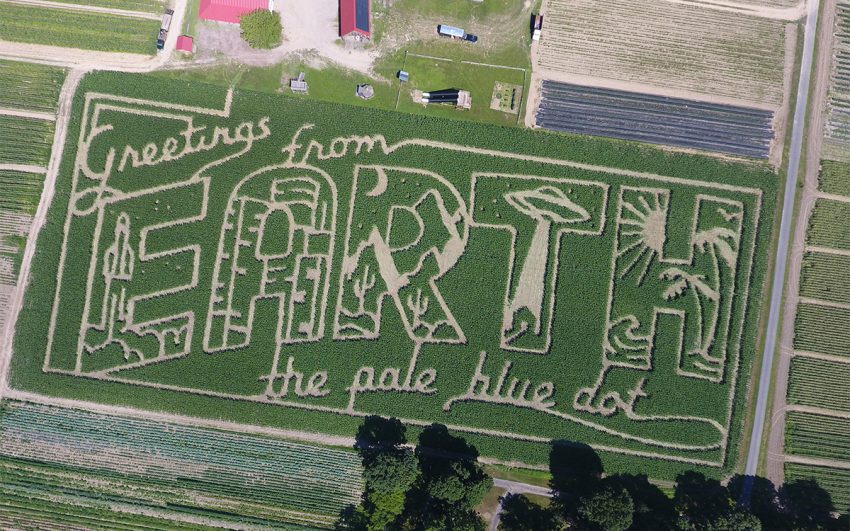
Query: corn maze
{"points": [[298, 264]]}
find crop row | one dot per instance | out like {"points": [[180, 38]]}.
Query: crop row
{"points": [[834, 177], [817, 435], [835, 481], [25, 140], [149, 6], [828, 225], [74, 29], [822, 329], [21, 191], [689, 47], [826, 277], [655, 119], [192, 462], [837, 143], [819, 383], [30, 86]]}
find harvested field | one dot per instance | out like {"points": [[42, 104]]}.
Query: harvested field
{"points": [[29, 86], [819, 383], [829, 225], [837, 134], [834, 177], [817, 435], [835, 481], [822, 329], [826, 277], [286, 262], [655, 119], [14, 227], [680, 46], [76, 29], [150, 463]]}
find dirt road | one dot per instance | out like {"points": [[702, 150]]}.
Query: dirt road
{"points": [[776, 435]]}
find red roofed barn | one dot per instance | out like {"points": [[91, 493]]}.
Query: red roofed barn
{"points": [[355, 16], [229, 10]]}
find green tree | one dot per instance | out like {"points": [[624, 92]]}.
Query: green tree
{"points": [[521, 514], [261, 28], [610, 508], [392, 471]]}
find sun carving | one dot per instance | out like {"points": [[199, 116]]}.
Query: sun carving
{"points": [[643, 232]]}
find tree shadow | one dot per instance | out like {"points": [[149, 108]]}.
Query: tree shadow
{"points": [[379, 434], [436, 441], [807, 502], [653, 508], [575, 467]]}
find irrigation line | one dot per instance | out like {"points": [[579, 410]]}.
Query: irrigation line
{"points": [[430, 57], [782, 249]]}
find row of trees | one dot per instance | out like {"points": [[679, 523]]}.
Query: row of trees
{"points": [[585, 498], [438, 485]]}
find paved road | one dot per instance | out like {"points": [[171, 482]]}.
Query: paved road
{"points": [[784, 239]]}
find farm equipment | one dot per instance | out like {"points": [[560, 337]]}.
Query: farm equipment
{"points": [[163, 28], [536, 27], [456, 33]]}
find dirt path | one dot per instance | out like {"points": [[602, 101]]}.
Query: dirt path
{"points": [[27, 168], [776, 438], [91, 9], [776, 13], [818, 461], [28, 114]]}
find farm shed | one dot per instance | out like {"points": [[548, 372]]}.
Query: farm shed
{"points": [[355, 16], [230, 10], [185, 44]]}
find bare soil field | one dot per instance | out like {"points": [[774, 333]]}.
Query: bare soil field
{"points": [[692, 49]]}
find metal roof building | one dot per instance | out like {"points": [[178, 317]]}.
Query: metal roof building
{"points": [[229, 10], [185, 44], [355, 16]]}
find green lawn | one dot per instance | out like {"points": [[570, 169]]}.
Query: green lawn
{"points": [[432, 74]]}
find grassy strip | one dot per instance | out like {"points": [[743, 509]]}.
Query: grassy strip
{"points": [[73, 29]]}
